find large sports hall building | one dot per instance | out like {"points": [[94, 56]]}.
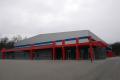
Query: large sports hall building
{"points": [[72, 45]]}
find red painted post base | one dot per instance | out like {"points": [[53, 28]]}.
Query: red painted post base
{"points": [[63, 50], [3, 51], [91, 51], [63, 53], [54, 56], [109, 54], [32, 53], [77, 53], [77, 49]]}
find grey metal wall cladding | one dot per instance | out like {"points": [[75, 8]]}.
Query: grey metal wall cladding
{"points": [[22, 55], [44, 54], [56, 36], [100, 53]]}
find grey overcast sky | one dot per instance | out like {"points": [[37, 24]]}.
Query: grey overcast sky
{"points": [[32, 17]]}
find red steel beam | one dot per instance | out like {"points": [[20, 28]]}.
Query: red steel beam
{"points": [[46, 47], [77, 45], [95, 43]]}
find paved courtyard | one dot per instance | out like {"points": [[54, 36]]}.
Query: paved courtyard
{"points": [[108, 69]]}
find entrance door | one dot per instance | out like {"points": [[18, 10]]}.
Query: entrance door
{"points": [[70, 53], [85, 53]]}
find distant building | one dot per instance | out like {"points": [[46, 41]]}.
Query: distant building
{"points": [[70, 45]]}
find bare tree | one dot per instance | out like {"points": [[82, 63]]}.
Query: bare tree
{"points": [[7, 43], [17, 38]]}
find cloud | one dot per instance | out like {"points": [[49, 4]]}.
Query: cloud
{"points": [[31, 17]]}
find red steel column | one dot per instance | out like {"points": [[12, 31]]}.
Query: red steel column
{"points": [[63, 50], [77, 49], [91, 51], [31, 53], [3, 51], [54, 51]]}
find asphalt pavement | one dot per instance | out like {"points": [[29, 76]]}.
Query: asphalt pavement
{"points": [[108, 69]]}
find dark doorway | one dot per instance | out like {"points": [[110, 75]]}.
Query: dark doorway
{"points": [[85, 53], [100, 53], [59, 53], [70, 53]]}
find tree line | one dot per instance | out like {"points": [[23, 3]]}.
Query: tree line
{"points": [[116, 48], [9, 43]]}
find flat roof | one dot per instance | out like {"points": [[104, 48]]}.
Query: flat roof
{"points": [[41, 38]]}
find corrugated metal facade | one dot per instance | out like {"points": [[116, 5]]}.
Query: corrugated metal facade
{"points": [[61, 49], [58, 36]]}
